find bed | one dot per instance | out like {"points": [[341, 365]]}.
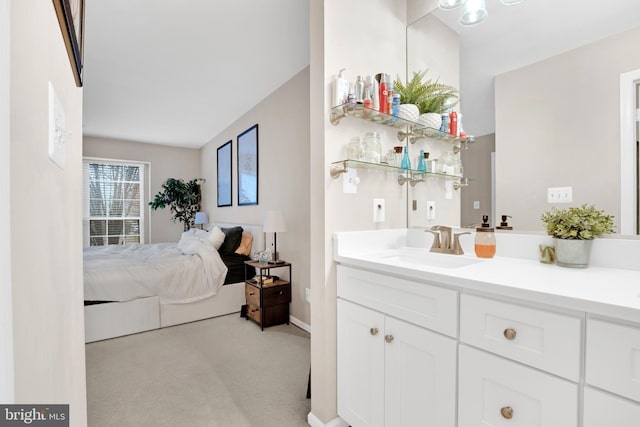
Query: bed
{"points": [[136, 288]]}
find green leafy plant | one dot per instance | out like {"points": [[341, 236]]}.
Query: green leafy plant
{"points": [[583, 223], [430, 96], [183, 198]]}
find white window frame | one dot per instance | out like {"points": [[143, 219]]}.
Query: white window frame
{"points": [[144, 167]]}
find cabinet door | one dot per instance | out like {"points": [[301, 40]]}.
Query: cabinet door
{"points": [[496, 392], [360, 365], [420, 376], [603, 409]]}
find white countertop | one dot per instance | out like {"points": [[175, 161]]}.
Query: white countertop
{"points": [[612, 292]]}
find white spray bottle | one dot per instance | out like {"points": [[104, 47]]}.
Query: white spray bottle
{"points": [[340, 89]]}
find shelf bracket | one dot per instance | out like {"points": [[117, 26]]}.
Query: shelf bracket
{"points": [[335, 117], [402, 179], [464, 182], [410, 135], [337, 170]]}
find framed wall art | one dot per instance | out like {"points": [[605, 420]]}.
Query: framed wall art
{"points": [[248, 167], [71, 19], [224, 174]]}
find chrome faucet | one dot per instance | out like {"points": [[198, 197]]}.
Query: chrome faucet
{"points": [[444, 242]]}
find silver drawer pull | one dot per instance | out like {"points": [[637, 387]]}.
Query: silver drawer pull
{"points": [[373, 331], [281, 293], [506, 412], [510, 334], [388, 338]]}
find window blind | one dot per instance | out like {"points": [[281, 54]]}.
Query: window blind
{"points": [[112, 202]]}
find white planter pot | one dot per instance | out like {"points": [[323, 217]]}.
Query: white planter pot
{"points": [[408, 112], [572, 253], [430, 120]]}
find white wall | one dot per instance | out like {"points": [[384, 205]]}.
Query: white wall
{"points": [[45, 209], [283, 177], [6, 312], [166, 162], [365, 37], [557, 124]]}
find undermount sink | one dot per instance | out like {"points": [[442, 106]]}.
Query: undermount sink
{"points": [[415, 257]]}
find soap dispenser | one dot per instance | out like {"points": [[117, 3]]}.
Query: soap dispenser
{"points": [[504, 225], [485, 241]]}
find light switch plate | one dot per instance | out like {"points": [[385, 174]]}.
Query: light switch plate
{"points": [[476, 204], [350, 181], [448, 190], [559, 195], [57, 131]]}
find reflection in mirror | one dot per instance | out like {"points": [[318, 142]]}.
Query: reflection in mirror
{"points": [[543, 78]]}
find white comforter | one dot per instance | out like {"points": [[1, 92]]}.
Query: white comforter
{"points": [[177, 273]]}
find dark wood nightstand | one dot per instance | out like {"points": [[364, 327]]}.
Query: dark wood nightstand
{"points": [[267, 297]]}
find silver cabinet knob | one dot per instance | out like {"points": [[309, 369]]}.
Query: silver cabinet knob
{"points": [[373, 331], [388, 338], [506, 412], [510, 334]]}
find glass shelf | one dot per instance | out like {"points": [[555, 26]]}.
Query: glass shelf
{"points": [[415, 130], [411, 175]]}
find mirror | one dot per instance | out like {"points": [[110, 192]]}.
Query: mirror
{"points": [[544, 79]]}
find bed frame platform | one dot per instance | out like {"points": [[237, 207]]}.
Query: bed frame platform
{"points": [[115, 319]]}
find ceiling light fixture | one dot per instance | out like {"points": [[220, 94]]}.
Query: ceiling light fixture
{"points": [[473, 11]]}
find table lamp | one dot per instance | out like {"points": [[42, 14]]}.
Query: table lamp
{"points": [[274, 223], [201, 218]]}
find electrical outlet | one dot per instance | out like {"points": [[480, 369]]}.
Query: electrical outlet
{"points": [[476, 204], [350, 181], [559, 195], [378, 210], [307, 295], [431, 209]]}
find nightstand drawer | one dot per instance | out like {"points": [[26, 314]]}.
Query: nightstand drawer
{"points": [[253, 311], [539, 338], [252, 295], [613, 358], [276, 295]]}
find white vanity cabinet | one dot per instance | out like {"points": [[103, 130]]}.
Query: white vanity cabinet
{"points": [[392, 372]]}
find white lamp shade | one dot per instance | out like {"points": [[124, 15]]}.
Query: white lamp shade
{"points": [[473, 12], [274, 222], [450, 4], [202, 218]]}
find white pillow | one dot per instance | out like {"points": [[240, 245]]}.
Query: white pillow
{"points": [[186, 238], [216, 237], [200, 233]]}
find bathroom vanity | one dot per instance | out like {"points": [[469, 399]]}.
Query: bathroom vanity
{"points": [[453, 340]]}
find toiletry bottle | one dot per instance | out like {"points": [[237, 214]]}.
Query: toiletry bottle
{"points": [[351, 99], [485, 241], [359, 90], [453, 123], [406, 163], [375, 96], [444, 128], [384, 100], [340, 89], [367, 102], [422, 167], [389, 94]]}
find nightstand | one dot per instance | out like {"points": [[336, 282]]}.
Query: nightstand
{"points": [[267, 297]]}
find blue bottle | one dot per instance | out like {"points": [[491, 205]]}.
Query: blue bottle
{"points": [[406, 163], [444, 128], [422, 167]]}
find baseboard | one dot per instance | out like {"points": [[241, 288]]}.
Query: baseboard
{"points": [[315, 422], [300, 324]]}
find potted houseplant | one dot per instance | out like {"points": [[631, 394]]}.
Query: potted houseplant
{"points": [[183, 198], [425, 100], [573, 231]]}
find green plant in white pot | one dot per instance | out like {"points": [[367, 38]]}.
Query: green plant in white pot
{"points": [[425, 100], [573, 231]]}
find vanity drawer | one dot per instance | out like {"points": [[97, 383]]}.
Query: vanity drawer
{"points": [[538, 338], [424, 305], [604, 409], [613, 358], [497, 392]]}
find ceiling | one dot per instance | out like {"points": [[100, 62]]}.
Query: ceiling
{"points": [[180, 72], [514, 36]]}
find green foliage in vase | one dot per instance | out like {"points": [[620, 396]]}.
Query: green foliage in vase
{"points": [[583, 223], [183, 198], [430, 96]]}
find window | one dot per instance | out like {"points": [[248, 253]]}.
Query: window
{"points": [[113, 202]]}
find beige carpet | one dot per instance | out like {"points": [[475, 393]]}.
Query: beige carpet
{"points": [[216, 372]]}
